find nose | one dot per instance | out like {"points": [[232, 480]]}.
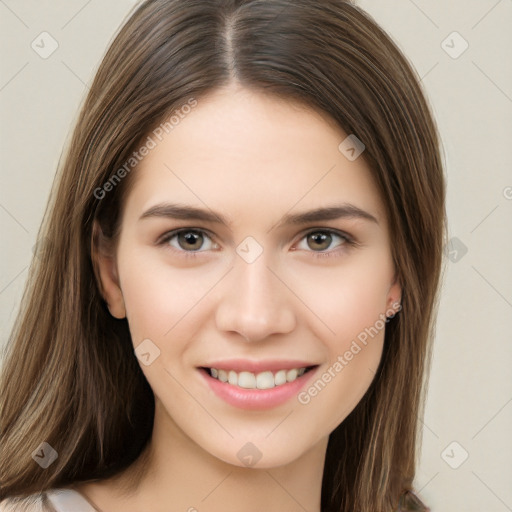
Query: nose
{"points": [[255, 302]]}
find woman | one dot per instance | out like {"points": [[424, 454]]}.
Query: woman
{"points": [[242, 254]]}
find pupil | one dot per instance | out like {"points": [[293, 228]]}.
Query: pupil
{"points": [[320, 238], [191, 238]]}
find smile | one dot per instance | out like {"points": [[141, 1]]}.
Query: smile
{"points": [[261, 380], [259, 389]]}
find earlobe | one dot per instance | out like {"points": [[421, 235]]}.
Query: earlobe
{"points": [[105, 270], [394, 298]]}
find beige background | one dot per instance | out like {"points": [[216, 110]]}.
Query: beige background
{"points": [[470, 398]]}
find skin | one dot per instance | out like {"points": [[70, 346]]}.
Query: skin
{"points": [[253, 159]]}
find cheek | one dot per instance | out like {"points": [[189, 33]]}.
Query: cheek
{"points": [[159, 299], [347, 298], [351, 302], [354, 355], [337, 390]]}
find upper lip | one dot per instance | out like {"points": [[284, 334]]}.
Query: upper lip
{"points": [[240, 365]]}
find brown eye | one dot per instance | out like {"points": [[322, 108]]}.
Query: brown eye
{"points": [[323, 239], [190, 240], [319, 240]]}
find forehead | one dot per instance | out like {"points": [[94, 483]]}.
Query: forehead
{"points": [[245, 153]]}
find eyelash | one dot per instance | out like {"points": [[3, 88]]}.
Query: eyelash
{"points": [[348, 240]]}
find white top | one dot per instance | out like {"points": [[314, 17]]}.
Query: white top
{"points": [[54, 500]]}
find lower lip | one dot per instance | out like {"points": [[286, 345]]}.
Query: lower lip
{"points": [[256, 399]]}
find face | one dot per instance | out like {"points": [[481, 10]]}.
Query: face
{"points": [[291, 304]]}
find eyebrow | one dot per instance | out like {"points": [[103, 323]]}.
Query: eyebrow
{"points": [[186, 212]]}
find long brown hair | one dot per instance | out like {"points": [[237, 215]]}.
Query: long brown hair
{"points": [[70, 377]]}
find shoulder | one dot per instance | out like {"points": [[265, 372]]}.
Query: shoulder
{"points": [[52, 500]]}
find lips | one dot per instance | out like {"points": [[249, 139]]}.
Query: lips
{"points": [[257, 388]]}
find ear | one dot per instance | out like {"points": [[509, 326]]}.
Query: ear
{"points": [[394, 297], [105, 270]]}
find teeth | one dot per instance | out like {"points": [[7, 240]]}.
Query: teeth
{"points": [[280, 377], [247, 380], [262, 380], [291, 374]]}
